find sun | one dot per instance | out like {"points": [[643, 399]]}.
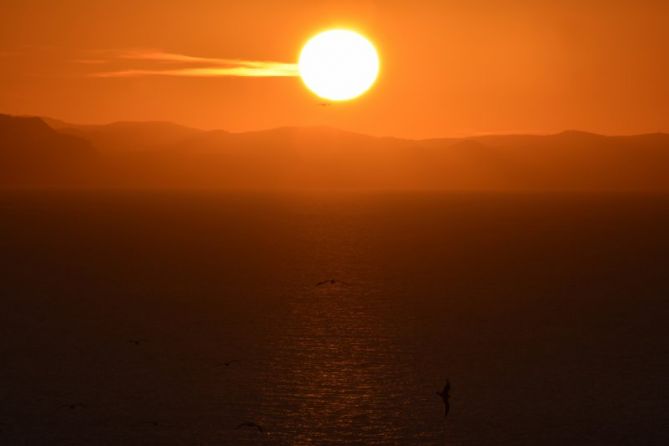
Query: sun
{"points": [[339, 65]]}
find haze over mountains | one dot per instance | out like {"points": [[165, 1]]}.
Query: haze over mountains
{"points": [[47, 152]]}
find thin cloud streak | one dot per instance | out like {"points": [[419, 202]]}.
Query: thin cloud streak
{"points": [[278, 70], [214, 67]]}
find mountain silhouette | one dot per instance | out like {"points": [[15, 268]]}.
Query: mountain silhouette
{"points": [[125, 136], [31, 152], [155, 154]]}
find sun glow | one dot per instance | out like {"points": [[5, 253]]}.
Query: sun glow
{"points": [[339, 65]]}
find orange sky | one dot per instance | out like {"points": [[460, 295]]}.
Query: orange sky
{"points": [[450, 68]]}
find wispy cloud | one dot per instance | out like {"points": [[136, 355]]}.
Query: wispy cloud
{"points": [[181, 65]]}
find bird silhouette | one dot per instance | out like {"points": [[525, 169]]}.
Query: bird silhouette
{"points": [[227, 363], [444, 394], [325, 104], [251, 425], [135, 341], [74, 406], [326, 282], [330, 282]]}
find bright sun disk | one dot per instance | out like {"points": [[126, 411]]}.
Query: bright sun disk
{"points": [[339, 65]]}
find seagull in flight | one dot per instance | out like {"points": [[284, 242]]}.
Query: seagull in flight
{"points": [[251, 425], [330, 282], [227, 363], [444, 394], [74, 406]]}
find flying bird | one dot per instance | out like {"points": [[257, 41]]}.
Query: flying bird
{"points": [[330, 282], [444, 394], [135, 341], [325, 104], [227, 363], [74, 406], [251, 425], [326, 282]]}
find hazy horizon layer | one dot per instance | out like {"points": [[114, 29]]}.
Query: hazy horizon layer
{"points": [[547, 312], [38, 152], [60, 124]]}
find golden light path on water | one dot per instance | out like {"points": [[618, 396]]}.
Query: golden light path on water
{"points": [[230, 325]]}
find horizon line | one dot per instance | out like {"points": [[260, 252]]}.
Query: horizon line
{"points": [[325, 126]]}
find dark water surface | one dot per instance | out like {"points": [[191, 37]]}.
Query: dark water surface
{"points": [[549, 313]]}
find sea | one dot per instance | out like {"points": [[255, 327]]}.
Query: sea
{"points": [[163, 317]]}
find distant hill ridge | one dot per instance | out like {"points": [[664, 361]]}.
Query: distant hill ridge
{"points": [[162, 154], [31, 152], [125, 135]]}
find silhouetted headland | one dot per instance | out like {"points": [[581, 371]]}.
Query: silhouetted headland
{"points": [[156, 154]]}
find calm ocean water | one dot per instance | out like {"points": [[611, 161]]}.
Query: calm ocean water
{"points": [[121, 312]]}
